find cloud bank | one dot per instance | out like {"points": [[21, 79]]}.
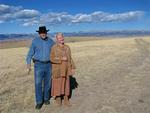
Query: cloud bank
{"points": [[30, 17], [12, 13]]}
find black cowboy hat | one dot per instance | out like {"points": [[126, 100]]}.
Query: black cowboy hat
{"points": [[42, 29]]}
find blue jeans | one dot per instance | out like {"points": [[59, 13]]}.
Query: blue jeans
{"points": [[42, 76]]}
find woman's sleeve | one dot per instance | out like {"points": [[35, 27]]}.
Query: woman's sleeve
{"points": [[71, 60], [53, 58], [73, 64]]}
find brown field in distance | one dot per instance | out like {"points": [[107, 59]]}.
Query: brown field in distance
{"points": [[26, 43]]}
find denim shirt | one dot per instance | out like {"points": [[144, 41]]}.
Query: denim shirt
{"points": [[40, 50]]}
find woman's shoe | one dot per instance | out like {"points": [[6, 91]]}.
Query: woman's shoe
{"points": [[66, 101], [58, 101]]}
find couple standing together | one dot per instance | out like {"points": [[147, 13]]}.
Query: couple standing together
{"points": [[53, 65]]}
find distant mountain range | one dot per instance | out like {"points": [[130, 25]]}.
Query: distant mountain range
{"points": [[124, 33], [16, 36]]}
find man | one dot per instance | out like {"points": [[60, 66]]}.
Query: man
{"points": [[62, 67], [40, 51]]}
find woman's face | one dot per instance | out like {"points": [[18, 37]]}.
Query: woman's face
{"points": [[60, 39]]}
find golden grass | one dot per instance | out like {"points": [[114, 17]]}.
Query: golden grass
{"points": [[26, 43], [113, 76]]}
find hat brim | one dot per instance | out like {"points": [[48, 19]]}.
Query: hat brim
{"points": [[43, 31]]}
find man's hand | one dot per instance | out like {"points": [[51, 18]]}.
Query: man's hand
{"points": [[29, 68], [64, 58]]}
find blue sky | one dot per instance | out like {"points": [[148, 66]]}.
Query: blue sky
{"points": [[24, 16]]}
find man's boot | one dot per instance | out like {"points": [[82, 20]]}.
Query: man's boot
{"points": [[58, 101], [39, 106], [66, 101]]}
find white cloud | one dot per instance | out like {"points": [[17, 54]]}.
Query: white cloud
{"points": [[95, 17], [56, 18], [127, 16], [4, 9], [26, 13], [12, 13], [30, 22], [82, 18], [29, 17]]}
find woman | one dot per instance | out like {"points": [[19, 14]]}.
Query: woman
{"points": [[62, 67]]}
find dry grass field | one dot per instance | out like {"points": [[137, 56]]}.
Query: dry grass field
{"points": [[26, 43], [113, 77]]}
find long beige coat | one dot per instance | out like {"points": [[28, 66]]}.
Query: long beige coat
{"points": [[59, 67]]}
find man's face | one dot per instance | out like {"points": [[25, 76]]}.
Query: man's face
{"points": [[43, 35], [60, 39]]}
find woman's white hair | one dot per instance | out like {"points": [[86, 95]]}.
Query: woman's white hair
{"points": [[59, 33]]}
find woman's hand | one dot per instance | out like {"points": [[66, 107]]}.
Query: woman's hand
{"points": [[72, 71], [64, 58]]}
